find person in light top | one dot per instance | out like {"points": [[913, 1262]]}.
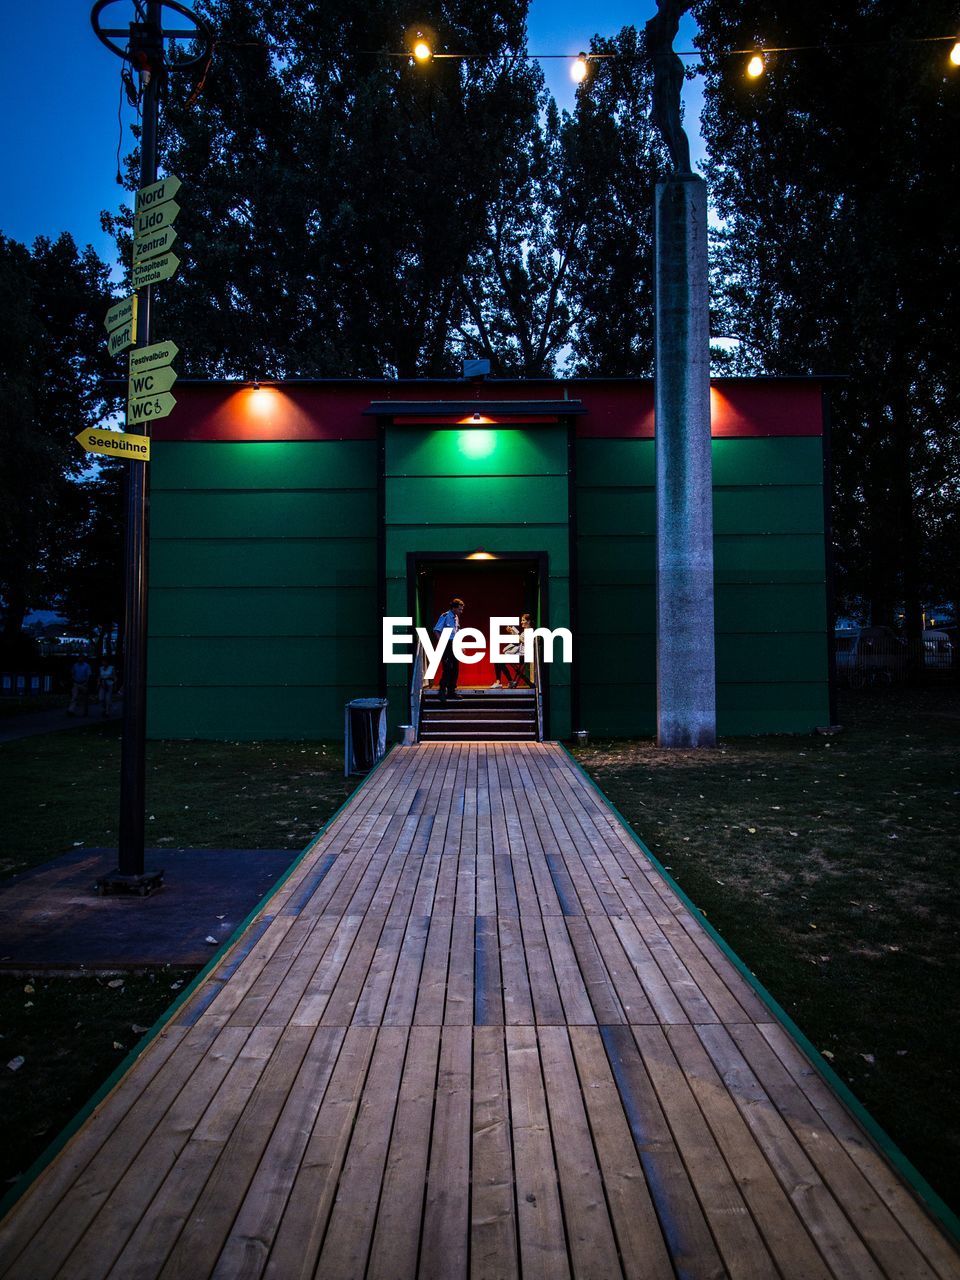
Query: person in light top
{"points": [[450, 671]]}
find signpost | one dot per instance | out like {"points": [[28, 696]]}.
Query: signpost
{"points": [[155, 270], [116, 444], [153, 357], [150, 408], [142, 44], [153, 243], [152, 219], [151, 382]]}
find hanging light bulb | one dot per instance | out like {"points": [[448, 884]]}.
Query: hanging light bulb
{"points": [[955, 54], [578, 70], [755, 67], [422, 51]]}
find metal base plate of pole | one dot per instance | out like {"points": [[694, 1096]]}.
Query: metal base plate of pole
{"points": [[138, 886]]}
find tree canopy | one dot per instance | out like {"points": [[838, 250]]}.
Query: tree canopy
{"points": [[835, 177], [52, 364]]}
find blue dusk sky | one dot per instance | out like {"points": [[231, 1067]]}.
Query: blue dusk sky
{"points": [[60, 88]]}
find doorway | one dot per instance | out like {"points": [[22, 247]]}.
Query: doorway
{"points": [[505, 585]]}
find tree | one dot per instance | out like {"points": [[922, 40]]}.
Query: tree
{"points": [[333, 194], [834, 175], [52, 362]]}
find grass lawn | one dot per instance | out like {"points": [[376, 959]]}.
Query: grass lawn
{"points": [[61, 790], [830, 865]]}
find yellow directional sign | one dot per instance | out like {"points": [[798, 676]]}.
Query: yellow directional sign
{"points": [[157, 192], [155, 270], [155, 356], [124, 312], [120, 339], [150, 408], [153, 243], [152, 219], [151, 382], [116, 444]]}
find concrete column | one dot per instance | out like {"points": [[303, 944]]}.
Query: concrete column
{"points": [[686, 678]]}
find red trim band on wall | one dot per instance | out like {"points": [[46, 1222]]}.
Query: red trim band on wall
{"points": [[740, 408]]}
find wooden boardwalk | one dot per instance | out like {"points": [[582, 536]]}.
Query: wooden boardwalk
{"points": [[474, 1034]]}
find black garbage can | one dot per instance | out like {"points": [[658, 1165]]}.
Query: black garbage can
{"points": [[364, 734]]}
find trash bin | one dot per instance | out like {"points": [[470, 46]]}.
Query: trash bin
{"points": [[364, 734], [408, 735]]}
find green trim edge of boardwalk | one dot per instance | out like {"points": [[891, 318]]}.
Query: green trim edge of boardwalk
{"points": [[940, 1210], [26, 1180]]}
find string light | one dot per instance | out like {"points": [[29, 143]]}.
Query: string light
{"points": [[756, 66], [578, 69]]}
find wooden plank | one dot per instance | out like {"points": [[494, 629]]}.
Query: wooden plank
{"points": [[548, 1007], [600, 989], [517, 1001], [590, 1238], [396, 1239], [376, 986], [925, 1233], [543, 1249], [577, 1009], [349, 985], [312, 1004], [527, 901], [486, 880], [245, 1252], [352, 1218], [655, 986], [89, 1182], [841, 1247], [493, 1224], [170, 1205], [299, 1236], [643, 1252], [487, 982], [433, 976], [446, 1214], [636, 1007], [685, 1229], [458, 1010], [889, 1244], [406, 979], [37, 1203], [205, 1231], [740, 1243], [789, 1243]]}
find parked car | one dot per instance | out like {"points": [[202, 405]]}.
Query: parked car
{"points": [[937, 651], [871, 655]]}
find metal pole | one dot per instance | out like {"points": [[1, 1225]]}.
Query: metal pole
{"points": [[133, 749], [686, 680]]}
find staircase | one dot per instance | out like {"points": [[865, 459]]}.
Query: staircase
{"points": [[479, 715]]}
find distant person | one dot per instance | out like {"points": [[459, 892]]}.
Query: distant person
{"points": [[80, 675], [522, 667], [508, 670], [105, 687], [450, 670]]}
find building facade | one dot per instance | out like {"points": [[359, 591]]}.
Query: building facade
{"points": [[287, 520]]}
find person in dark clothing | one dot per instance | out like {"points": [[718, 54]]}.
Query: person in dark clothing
{"points": [[450, 670]]}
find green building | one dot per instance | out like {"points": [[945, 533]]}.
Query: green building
{"points": [[287, 520]]}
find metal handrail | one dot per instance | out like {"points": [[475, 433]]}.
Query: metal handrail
{"points": [[416, 688], [538, 688]]}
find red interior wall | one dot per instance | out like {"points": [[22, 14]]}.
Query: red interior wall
{"points": [[488, 590]]}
